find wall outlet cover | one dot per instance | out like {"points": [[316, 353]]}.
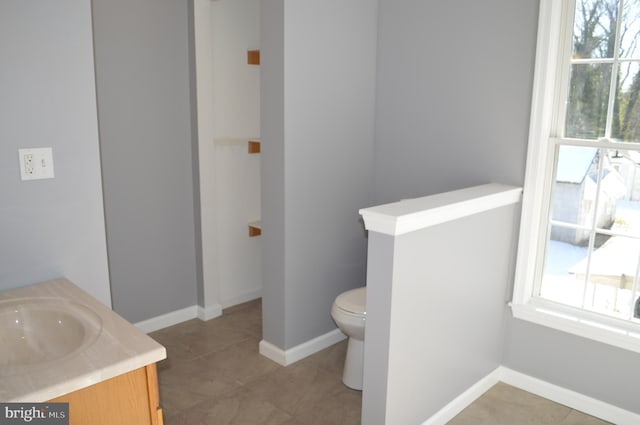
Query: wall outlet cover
{"points": [[36, 163]]}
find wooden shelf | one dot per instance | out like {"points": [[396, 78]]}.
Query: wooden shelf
{"points": [[253, 57], [254, 146], [255, 228]]}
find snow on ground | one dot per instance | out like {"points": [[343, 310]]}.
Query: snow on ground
{"points": [[561, 256], [560, 285]]}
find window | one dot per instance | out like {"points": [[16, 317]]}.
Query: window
{"points": [[579, 255]]}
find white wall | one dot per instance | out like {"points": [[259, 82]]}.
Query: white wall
{"points": [[237, 179], [235, 28], [236, 119], [50, 228], [228, 116]]}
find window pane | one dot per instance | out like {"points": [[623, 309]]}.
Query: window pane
{"points": [[588, 100], [574, 192], [594, 28], [559, 282], [626, 112], [630, 31], [621, 191], [603, 279], [612, 269], [612, 190]]}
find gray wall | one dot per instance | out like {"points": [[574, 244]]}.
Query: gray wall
{"points": [[195, 172], [50, 228], [453, 99], [380, 260], [144, 108], [317, 161], [587, 367], [446, 325], [453, 94], [272, 178]]}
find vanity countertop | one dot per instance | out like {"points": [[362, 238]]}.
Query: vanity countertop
{"points": [[119, 348]]}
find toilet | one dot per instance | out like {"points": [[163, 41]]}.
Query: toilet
{"points": [[349, 313]]}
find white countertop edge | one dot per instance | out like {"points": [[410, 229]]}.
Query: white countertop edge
{"points": [[91, 378], [414, 214]]}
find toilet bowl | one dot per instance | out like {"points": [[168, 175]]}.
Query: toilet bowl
{"points": [[349, 313]]}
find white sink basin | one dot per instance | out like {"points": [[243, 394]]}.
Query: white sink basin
{"points": [[39, 331]]}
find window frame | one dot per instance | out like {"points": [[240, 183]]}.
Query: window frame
{"points": [[552, 66]]}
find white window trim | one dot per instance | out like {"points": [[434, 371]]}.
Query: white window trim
{"points": [[538, 181]]}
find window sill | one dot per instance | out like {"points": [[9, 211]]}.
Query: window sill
{"points": [[627, 337]]}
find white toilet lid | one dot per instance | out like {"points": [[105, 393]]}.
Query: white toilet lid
{"points": [[353, 301]]}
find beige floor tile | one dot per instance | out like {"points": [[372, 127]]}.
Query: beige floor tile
{"points": [[247, 319], [579, 418], [186, 327], [506, 405], [238, 407], [330, 359], [216, 336], [214, 375], [342, 408], [176, 351], [257, 303], [195, 338], [240, 362], [185, 385], [296, 388], [471, 416]]}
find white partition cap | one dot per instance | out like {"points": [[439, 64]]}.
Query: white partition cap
{"points": [[409, 215]]}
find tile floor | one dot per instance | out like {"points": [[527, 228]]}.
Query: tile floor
{"points": [[214, 375]]}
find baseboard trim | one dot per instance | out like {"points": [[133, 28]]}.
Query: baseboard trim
{"points": [[569, 398], [272, 352], [168, 319], [242, 298], [459, 403], [299, 352], [179, 316], [577, 401], [208, 313]]}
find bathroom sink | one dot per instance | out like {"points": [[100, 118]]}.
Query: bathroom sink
{"points": [[40, 331]]}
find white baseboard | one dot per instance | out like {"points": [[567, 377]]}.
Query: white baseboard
{"points": [[299, 352], [168, 319], [272, 352], [179, 316], [459, 403], [242, 298], [572, 399], [208, 313]]}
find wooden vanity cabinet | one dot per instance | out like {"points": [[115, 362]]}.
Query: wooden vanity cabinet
{"points": [[127, 399]]}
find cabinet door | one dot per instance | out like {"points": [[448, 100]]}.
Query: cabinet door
{"points": [[128, 399]]}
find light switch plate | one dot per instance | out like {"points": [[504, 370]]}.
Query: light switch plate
{"points": [[36, 163]]}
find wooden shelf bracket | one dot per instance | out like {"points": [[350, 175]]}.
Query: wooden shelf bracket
{"points": [[255, 228], [253, 57], [254, 146]]}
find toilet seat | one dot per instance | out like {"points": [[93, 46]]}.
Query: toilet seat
{"points": [[353, 301]]}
